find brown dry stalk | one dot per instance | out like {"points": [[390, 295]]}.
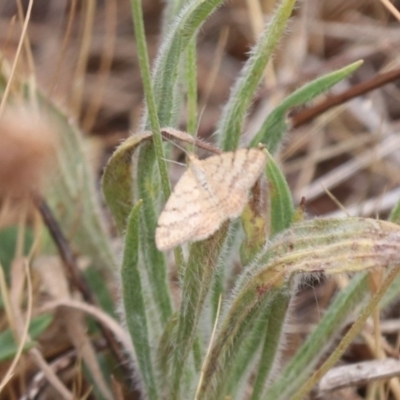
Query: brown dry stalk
{"points": [[307, 115], [74, 272]]}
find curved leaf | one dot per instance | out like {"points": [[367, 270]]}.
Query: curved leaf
{"points": [[117, 181], [275, 126]]}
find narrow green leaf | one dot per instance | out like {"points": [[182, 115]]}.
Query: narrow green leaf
{"points": [[303, 363], [108, 372], [152, 109], [154, 264], [275, 126], [281, 203], [224, 273], [273, 335], [134, 305], [281, 216], [392, 293], [171, 10], [161, 92], [235, 111], [242, 314], [197, 281], [166, 68], [8, 348], [395, 214], [191, 81], [8, 243], [269, 330], [248, 354], [165, 350], [101, 290]]}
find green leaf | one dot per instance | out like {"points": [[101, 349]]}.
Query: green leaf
{"points": [[267, 332], [197, 282], [171, 10], [191, 82], [108, 372], [8, 348], [8, 244], [281, 216], [269, 329], [166, 348], [247, 306], [273, 335], [234, 114], [134, 305], [166, 68], [153, 121], [281, 203], [162, 102], [153, 264], [119, 191], [303, 363], [333, 246], [395, 214], [99, 287], [117, 180], [275, 126]]}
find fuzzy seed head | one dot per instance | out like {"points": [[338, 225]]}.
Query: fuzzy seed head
{"points": [[27, 151]]}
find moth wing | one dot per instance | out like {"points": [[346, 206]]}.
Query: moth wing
{"points": [[232, 175], [190, 214]]}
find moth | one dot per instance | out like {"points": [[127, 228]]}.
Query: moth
{"points": [[210, 192]]}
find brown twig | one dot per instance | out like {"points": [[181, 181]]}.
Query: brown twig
{"points": [[307, 115], [171, 133], [75, 273]]}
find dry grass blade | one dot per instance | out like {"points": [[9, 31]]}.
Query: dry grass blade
{"points": [[22, 331], [8, 375], [393, 10], [16, 58], [64, 44], [359, 374], [75, 325], [388, 146], [73, 321], [97, 313], [80, 72], [376, 206], [210, 344], [105, 65]]}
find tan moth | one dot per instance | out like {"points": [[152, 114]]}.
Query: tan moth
{"points": [[210, 192]]}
